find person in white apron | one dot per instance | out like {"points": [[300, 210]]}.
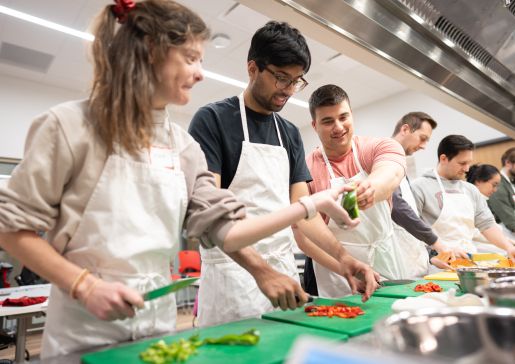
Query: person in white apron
{"points": [[413, 131], [103, 249], [456, 209], [227, 291], [414, 249], [502, 202], [113, 192], [372, 242], [455, 224]]}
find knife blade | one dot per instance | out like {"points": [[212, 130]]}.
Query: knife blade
{"points": [[173, 287], [395, 282]]}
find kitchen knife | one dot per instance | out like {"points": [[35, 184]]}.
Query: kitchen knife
{"points": [[173, 287], [395, 282]]}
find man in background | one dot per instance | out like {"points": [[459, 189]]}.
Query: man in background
{"points": [[413, 132], [452, 206], [502, 202]]}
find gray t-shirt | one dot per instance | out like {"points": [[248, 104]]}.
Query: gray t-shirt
{"points": [[428, 197]]}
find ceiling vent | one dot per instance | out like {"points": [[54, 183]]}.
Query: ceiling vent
{"points": [[511, 8], [459, 37], [449, 30], [25, 57]]}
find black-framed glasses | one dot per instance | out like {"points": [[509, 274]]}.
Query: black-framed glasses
{"points": [[282, 82]]}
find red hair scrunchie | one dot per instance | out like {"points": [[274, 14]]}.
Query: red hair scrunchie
{"points": [[121, 8]]}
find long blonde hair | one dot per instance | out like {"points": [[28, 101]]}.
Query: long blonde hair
{"points": [[124, 58]]}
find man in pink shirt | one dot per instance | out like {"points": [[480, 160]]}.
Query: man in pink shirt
{"points": [[376, 166]]}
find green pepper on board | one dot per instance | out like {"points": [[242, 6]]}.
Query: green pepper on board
{"points": [[250, 337], [180, 351], [176, 352]]}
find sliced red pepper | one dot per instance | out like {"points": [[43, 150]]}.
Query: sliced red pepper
{"points": [[337, 310]]}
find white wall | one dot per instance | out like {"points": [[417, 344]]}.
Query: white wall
{"points": [[20, 102], [380, 118]]}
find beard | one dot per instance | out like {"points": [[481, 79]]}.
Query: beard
{"points": [[265, 101]]}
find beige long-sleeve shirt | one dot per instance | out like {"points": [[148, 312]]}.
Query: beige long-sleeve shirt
{"points": [[63, 160]]}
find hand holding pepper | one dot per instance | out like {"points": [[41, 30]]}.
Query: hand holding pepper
{"points": [[365, 193]]}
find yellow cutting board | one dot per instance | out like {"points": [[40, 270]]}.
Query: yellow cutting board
{"points": [[487, 256], [442, 276]]}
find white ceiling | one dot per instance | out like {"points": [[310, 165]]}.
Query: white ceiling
{"points": [[71, 70]]}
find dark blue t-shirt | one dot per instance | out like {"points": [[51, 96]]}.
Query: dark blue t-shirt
{"points": [[217, 128]]}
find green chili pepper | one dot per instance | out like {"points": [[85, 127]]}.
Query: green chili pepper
{"points": [[250, 337], [179, 351], [350, 204]]}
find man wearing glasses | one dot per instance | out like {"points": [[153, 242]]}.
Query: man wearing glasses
{"points": [[259, 155]]}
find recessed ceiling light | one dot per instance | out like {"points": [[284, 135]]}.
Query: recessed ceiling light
{"points": [[220, 41], [45, 23]]}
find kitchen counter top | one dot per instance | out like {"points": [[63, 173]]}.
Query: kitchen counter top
{"points": [[363, 344]]}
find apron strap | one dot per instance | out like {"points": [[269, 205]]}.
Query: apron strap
{"points": [[356, 159], [168, 124], [243, 118], [440, 184], [327, 164], [277, 130], [245, 126]]}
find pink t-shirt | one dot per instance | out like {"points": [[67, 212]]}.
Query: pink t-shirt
{"points": [[370, 151]]}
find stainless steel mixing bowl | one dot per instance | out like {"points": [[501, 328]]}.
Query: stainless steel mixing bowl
{"points": [[471, 335], [500, 292], [473, 277]]}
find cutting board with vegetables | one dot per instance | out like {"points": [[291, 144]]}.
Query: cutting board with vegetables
{"points": [[375, 309], [408, 290], [274, 344]]}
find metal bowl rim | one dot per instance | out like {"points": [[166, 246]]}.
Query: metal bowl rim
{"points": [[445, 311]]}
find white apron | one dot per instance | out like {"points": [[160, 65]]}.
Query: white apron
{"points": [[371, 242], [262, 182], [416, 258], [455, 225], [128, 233]]}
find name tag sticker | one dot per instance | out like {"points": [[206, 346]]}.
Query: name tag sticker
{"points": [[162, 157]]}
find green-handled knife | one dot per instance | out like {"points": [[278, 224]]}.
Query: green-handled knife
{"points": [[173, 287]]}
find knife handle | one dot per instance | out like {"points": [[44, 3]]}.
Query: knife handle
{"points": [[310, 298]]}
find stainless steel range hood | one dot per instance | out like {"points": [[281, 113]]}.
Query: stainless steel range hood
{"points": [[465, 48]]}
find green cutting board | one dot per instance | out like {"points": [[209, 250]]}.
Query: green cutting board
{"points": [[375, 309], [275, 342], [408, 290]]}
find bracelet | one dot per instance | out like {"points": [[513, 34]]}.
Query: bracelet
{"points": [[309, 205], [77, 281], [90, 289]]}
